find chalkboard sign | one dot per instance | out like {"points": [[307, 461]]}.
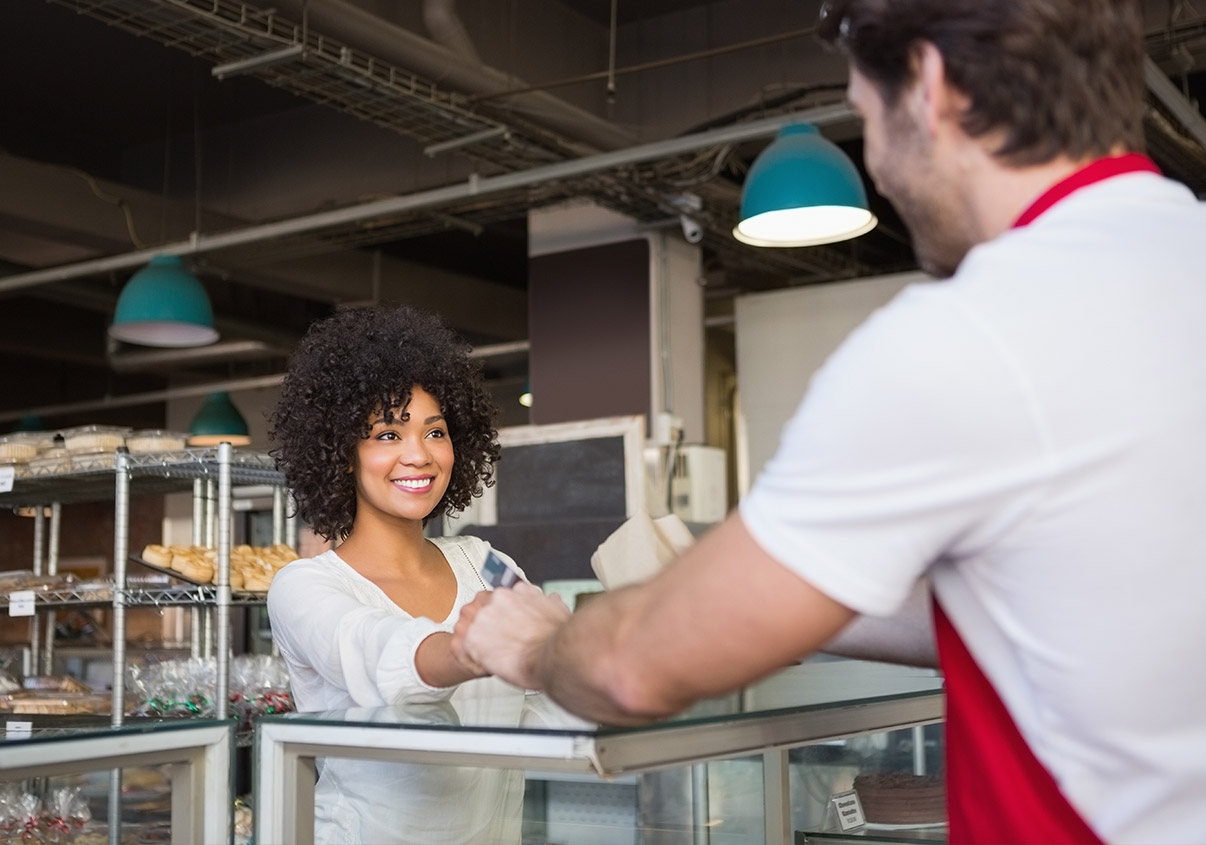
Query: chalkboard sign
{"points": [[575, 479], [559, 491]]}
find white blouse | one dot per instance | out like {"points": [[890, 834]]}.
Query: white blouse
{"points": [[348, 645]]}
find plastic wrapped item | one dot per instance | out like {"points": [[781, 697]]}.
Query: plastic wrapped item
{"points": [[259, 685], [244, 823], [65, 814], [54, 683], [53, 458], [27, 818], [10, 812], [25, 579], [22, 446], [92, 439], [155, 440], [62, 703]]}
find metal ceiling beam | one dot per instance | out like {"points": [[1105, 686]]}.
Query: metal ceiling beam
{"points": [[474, 187], [1185, 112]]}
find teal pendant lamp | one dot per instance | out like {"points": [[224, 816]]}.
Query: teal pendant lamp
{"points": [[802, 191], [30, 422], [218, 421], [164, 305]]}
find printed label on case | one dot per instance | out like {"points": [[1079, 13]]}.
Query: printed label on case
{"points": [[18, 730], [7, 474], [21, 603], [849, 810]]}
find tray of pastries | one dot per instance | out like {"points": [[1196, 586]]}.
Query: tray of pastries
{"points": [[251, 567]]}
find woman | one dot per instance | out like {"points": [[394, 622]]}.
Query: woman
{"points": [[384, 423]]}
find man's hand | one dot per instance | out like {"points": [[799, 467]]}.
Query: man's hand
{"points": [[504, 631]]}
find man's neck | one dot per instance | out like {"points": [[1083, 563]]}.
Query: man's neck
{"points": [[999, 194]]}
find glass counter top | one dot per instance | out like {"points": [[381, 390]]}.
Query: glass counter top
{"points": [[544, 716], [36, 728], [543, 734]]}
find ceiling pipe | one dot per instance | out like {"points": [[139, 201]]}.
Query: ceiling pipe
{"points": [[473, 187], [230, 385], [1164, 91], [150, 398], [125, 362], [446, 28]]}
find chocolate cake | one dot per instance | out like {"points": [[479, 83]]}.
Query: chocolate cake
{"points": [[901, 798]]}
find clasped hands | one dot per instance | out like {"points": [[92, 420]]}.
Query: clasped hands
{"points": [[504, 632]]}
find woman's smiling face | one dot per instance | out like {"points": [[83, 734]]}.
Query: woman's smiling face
{"points": [[403, 468]]}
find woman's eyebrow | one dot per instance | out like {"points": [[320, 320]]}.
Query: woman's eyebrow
{"points": [[436, 418]]}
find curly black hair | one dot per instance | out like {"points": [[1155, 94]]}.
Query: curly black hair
{"points": [[361, 362]]}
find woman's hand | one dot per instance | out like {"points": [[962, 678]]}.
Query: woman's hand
{"points": [[504, 631]]}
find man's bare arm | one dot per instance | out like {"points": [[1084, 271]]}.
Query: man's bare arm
{"points": [[723, 615], [906, 637]]}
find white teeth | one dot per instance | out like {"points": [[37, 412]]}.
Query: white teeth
{"points": [[412, 483]]}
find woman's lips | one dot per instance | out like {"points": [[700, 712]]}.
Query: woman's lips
{"points": [[414, 485]]}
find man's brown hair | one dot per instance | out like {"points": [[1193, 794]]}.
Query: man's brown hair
{"points": [[1052, 76]]}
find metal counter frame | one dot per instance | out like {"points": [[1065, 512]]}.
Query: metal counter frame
{"points": [[199, 754], [286, 748]]}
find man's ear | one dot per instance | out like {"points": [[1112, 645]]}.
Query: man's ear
{"points": [[933, 100]]}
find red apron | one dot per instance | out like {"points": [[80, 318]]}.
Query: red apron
{"points": [[997, 790]]}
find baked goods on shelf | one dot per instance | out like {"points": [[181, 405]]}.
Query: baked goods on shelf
{"points": [[87, 439], [155, 440], [62, 703], [901, 798], [19, 447], [251, 567]]}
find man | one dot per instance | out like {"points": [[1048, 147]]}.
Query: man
{"points": [[1029, 435]]}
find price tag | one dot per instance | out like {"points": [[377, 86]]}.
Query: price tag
{"points": [[21, 603], [18, 730], [849, 810], [7, 474]]}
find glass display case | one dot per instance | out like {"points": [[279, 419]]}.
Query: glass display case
{"points": [[654, 784], [196, 753]]}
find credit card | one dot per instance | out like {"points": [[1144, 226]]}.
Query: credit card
{"points": [[496, 573]]}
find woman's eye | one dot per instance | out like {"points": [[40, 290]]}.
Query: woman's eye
{"points": [[388, 435], [438, 432]]}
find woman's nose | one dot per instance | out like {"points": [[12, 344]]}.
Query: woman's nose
{"points": [[414, 452]]}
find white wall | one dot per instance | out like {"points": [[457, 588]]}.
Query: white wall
{"points": [[783, 337]]}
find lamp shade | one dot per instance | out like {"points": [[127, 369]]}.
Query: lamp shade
{"points": [[164, 305], [802, 191], [218, 421], [30, 422]]}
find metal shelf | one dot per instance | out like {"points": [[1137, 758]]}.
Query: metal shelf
{"points": [[190, 597], [90, 478], [167, 596]]}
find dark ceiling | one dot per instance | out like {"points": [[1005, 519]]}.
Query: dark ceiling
{"points": [[117, 137]]}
